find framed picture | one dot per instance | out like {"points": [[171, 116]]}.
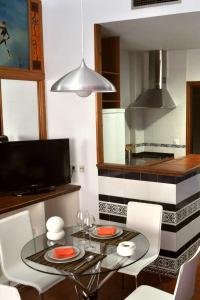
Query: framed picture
{"points": [[21, 35], [14, 35]]}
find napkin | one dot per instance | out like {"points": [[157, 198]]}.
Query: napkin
{"points": [[106, 230], [63, 252]]}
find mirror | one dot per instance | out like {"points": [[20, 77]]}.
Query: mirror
{"points": [[20, 109], [129, 131]]}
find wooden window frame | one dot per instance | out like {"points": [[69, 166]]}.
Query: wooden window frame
{"points": [[189, 86]]}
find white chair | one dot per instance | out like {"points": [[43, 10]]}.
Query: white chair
{"points": [[145, 218], [184, 289], [15, 232], [9, 293]]}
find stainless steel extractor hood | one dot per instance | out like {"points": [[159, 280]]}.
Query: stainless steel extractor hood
{"points": [[157, 96]]}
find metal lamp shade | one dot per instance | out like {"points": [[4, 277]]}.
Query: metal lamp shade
{"points": [[83, 81]]}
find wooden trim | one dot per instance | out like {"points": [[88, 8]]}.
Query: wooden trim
{"points": [[188, 118], [36, 36], [189, 86], [41, 37], [98, 68], [17, 74], [1, 112], [42, 110], [29, 32]]}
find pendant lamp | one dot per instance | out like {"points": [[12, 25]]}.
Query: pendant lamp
{"points": [[83, 80]]}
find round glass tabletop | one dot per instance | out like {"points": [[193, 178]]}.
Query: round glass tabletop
{"points": [[90, 256]]}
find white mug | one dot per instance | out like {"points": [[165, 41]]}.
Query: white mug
{"points": [[126, 248]]}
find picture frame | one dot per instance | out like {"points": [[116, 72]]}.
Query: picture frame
{"points": [[21, 46]]}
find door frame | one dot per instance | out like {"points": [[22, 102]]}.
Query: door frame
{"points": [[189, 86]]}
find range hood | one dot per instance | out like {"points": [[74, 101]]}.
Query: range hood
{"points": [[157, 96]]}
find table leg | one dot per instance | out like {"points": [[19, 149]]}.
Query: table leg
{"points": [[91, 297], [86, 291], [77, 292]]}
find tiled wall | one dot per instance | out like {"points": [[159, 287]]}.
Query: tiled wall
{"points": [[180, 198], [177, 150]]}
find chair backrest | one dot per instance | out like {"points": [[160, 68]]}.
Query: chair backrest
{"points": [[15, 232], [147, 219], [9, 293], [185, 285]]}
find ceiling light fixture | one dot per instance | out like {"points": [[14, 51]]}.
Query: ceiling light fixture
{"points": [[83, 80]]}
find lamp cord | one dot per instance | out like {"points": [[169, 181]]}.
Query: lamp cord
{"points": [[82, 30]]}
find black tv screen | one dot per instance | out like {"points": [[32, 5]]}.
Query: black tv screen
{"points": [[38, 162]]}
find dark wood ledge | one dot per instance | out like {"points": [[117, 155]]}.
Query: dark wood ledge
{"points": [[178, 167], [173, 167], [9, 202]]}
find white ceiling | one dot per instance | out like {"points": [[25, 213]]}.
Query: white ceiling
{"points": [[179, 31]]}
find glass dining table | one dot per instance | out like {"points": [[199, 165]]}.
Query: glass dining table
{"points": [[95, 257]]}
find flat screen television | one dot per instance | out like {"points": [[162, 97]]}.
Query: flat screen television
{"points": [[39, 163]]}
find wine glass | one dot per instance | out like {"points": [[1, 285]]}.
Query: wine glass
{"points": [[80, 219], [89, 223], [86, 222]]}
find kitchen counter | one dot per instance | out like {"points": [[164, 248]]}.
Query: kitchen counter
{"points": [[174, 184], [170, 167]]}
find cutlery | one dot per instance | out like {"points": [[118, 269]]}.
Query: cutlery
{"points": [[87, 259]]}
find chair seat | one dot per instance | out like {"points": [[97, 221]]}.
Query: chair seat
{"points": [[134, 269], [25, 275], [145, 292]]}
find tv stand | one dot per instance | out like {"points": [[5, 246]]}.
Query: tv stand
{"points": [[34, 189], [9, 202]]}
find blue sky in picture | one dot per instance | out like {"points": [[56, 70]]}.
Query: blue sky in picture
{"points": [[14, 52]]}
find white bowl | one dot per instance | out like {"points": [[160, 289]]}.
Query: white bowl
{"points": [[126, 248], [55, 236], [55, 224]]}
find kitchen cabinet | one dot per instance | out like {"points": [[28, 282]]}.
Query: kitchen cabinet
{"points": [[111, 70]]}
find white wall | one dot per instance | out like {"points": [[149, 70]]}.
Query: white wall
{"points": [[65, 206], [68, 115], [193, 65]]}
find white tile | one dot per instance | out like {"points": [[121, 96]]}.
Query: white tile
{"points": [[111, 186], [168, 241], [136, 189], [152, 191], [187, 233], [187, 188]]}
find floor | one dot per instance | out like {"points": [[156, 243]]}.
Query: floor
{"points": [[113, 289]]}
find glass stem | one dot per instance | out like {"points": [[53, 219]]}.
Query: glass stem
{"points": [[89, 238]]}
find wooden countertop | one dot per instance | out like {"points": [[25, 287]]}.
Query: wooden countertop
{"points": [[178, 167], [9, 202], [173, 167]]}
